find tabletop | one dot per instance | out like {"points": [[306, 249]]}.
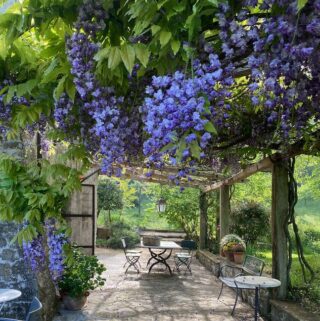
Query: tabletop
{"points": [[9, 294], [258, 281], [169, 245]]}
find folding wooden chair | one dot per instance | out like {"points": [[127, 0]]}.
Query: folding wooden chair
{"points": [[132, 257], [183, 259]]}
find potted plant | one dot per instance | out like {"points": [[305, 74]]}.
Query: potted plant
{"points": [[227, 243], [239, 252], [82, 274]]}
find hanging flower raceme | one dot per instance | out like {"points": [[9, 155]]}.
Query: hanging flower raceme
{"points": [[97, 115], [35, 254], [182, 112]]}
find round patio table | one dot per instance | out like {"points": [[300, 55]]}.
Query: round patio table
{"points": [[257, 282], [8, 295]]}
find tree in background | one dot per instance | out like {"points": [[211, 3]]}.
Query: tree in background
{"points": [[110, 196], [129, 192], [182, 209], [249, 220], [308, 177], [256, 188]]}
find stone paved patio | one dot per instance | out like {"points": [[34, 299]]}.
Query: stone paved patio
{"points": [[156, 296]]}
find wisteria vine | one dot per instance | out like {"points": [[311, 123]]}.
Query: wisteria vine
{"points": [[276, 102]]}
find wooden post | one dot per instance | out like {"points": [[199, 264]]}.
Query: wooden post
{"points": [[218, 215], [280, 208], [224, 210], [203, 204]]}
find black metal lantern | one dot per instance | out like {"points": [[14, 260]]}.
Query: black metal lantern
{"points": [[161, 205]]}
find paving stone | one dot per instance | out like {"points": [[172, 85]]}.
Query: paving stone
{"points": [[157, 296]]}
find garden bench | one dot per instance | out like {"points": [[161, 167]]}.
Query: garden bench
{"points": [[251, 266]]}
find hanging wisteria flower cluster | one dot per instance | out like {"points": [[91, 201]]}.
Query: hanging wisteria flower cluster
{"points": [[185, 111], [100, 114], [35, 256]]}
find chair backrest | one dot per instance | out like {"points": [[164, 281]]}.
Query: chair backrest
{"points": [[124, 244], [35, 306], [189, 245], [253, 265]]}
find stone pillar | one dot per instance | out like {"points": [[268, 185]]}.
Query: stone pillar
{"points": [[280, 208], [224, 210], [14, 273], [203, 205]]}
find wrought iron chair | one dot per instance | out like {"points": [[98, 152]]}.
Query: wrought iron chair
{"points": [[183, 259], [251, 266], [132, 257], [35, 306]]}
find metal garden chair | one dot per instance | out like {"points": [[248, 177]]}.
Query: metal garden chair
{"points": [[183, 259], [132, 257], [35, 306], [251, 266]]}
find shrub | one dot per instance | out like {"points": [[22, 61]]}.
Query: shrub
{"points": [[249, 221], [119, 230], [311, 240]]}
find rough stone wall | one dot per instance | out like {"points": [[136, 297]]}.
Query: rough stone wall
{"points": [[14, 273]]}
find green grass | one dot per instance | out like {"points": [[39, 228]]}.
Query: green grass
{"points": [[309, 208]]}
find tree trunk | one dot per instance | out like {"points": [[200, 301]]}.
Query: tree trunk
{"points": [[47, 290]]}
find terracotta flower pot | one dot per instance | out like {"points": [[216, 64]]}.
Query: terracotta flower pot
{"points": [[74, 304], [222, 252], [238, 257]]}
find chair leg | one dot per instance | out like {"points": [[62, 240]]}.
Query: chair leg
{"points": [[220, 291], [188, 266], [235, 302], [134, 263]]}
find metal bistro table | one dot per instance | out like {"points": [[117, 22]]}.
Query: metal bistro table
{"points": [[161, 257], [8, 295], [257, 282]]}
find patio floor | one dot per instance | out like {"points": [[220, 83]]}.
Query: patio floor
{"points": [[156, 296]]}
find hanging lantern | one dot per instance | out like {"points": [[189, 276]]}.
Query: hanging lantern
{"points": [[161, 205]]}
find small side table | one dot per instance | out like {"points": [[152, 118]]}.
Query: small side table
{"points": [[8, 295], [257, 282]]}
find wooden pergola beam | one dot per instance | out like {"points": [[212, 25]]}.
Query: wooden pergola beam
{"points": [[173, 170], [248, 171], [160, 180]]}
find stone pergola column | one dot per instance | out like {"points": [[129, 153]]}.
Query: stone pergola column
{"points": [[224, 210], [280, 208], [203, 204]]}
